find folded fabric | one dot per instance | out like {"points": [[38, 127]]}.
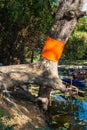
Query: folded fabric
{"points": [[52, 49]]}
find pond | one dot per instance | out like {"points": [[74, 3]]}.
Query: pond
{"points": [[68, 116]]}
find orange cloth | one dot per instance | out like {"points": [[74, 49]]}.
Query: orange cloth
{"points": [[52, 49]]}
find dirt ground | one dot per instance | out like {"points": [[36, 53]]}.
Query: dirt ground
{"points": [[20, 115]]}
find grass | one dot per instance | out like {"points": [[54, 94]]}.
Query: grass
{"points": [[4, 119], [71, 62]]}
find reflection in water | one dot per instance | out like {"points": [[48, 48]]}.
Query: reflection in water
{"points": [[79, 119], [82, 110], [68, 116]]}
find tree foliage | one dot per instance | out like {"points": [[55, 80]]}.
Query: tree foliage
{"points": [[23, 25], [77, 44]]}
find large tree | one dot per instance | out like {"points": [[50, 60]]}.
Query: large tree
{"points": [[45, 72]]}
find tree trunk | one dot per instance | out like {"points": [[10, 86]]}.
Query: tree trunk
{"points": [[45, 72], [65, 20]]}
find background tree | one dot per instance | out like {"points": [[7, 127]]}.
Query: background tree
{"points": [[23, 28], [77, 44]]}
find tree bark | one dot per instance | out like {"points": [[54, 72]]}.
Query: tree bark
{"points": [[45, 72], [65, 20]]}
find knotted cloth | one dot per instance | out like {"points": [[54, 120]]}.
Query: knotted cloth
{"points": [[52, 49]]}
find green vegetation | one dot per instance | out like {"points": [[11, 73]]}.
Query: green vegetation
{"points": [[24, 26], [5, 119], [77, 45], [73, 62]]}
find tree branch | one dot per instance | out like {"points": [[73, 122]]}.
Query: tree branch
{"points": [[81, 14], [73, 13], [17, 75]]}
